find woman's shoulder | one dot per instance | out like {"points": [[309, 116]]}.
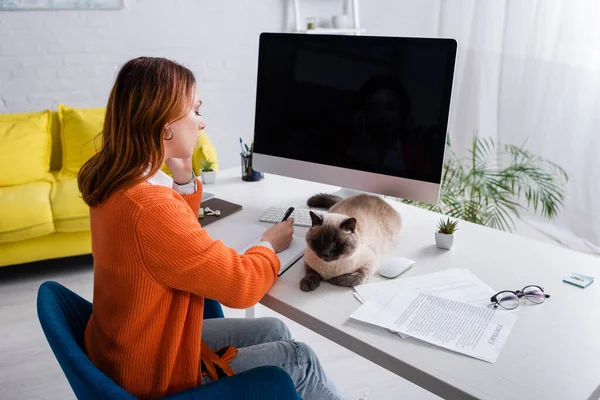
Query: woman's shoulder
{"points": [[147, 195], [143, 196]]}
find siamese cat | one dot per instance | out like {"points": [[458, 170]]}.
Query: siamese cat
{"points": [[344, 245]]}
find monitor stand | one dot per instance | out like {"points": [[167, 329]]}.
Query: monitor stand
{"points": [[345, 193]]}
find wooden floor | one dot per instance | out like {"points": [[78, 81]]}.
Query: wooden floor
{"points": [[29, 371]]}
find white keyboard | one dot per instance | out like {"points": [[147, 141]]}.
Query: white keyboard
{"points": [[275, 214]]}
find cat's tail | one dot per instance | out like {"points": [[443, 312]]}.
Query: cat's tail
{"points": [[323, 200]]}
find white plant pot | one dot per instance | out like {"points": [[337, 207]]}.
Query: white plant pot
{"points": [[444, 241], [340, 21], [209, 177]]}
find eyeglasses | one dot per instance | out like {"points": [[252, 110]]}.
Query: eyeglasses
{"points": [[510, 300]]}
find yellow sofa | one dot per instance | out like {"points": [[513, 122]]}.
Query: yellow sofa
{"points": [[42, 215]]}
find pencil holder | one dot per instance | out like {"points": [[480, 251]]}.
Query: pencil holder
{"points": [[248, 173]]}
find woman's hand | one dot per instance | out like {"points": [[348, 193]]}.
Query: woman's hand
{"points": [[181, 169], [280, 235]]}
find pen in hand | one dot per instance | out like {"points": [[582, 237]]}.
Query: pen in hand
{"points": [[287, 214]]}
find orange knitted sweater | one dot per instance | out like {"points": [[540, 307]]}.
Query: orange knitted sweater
{"points": [[153, 266]]}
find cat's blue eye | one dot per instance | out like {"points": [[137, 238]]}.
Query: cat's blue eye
{"points": [[337, 245]]}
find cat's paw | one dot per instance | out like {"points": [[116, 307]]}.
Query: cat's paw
{"points": [[310, 283], [311, 280], [352, 279]]}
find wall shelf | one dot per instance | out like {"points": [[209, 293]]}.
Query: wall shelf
{"points": [[353, 30], [333, 31]]}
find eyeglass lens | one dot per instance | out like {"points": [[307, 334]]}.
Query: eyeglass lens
{"points": [[507, 300], [534, 294]]}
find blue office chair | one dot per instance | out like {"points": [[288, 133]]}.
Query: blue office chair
{"points": [[64, 315]]}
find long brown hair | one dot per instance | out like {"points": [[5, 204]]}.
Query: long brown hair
{"points": [[148, 94]]}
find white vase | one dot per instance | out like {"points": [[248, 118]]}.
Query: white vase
{"points": [[340, 21], [444, 241], [209, 177]]}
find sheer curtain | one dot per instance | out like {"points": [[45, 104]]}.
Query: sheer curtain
{"points": [[529, 71]]}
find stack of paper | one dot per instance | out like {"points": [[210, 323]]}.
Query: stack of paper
{"points": [[449, 309], [456, 284]]}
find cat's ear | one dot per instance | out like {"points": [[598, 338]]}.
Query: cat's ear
{"points": [[316, 220], [349, 225]]}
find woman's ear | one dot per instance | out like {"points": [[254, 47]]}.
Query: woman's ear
{"points": [[168, 133]]}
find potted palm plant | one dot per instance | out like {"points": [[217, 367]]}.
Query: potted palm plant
{"points": [[495, 182], [444, 237], [208, 173]]}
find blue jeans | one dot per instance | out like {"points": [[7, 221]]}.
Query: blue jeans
{"points": [[267, 341]]}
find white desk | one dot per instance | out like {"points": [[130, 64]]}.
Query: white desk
{"points": [[553, 351]]}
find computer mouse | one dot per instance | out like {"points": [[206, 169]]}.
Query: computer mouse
{"points": [[395, 266]]}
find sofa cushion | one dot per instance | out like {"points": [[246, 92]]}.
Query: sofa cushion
{"points": [[25, 147], [79, 135], [25, 211], [70, 212]]}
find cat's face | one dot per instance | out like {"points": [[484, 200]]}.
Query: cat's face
{"points": [[330, 241]]}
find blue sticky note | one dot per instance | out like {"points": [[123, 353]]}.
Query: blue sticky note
{"points": [[579, 280]]}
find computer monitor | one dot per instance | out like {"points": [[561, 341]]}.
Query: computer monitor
{"points": [[364, 113]]}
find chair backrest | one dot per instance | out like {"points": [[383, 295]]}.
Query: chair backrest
{"points": [[64, 316]]}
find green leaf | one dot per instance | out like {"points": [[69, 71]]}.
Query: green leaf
{"points": [[206, 165], [494, 183], [447, 226]]}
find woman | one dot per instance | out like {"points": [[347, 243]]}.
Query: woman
{"points": [[154, 264]]}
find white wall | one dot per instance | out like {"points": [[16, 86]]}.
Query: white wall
{"points": [[71, 57], [47, 57]]}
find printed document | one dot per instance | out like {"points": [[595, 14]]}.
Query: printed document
{"points": [[476, 331], [456, 284]]}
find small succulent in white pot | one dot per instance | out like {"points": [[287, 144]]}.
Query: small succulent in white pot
{"points": [[444, 237], [208, 173]]}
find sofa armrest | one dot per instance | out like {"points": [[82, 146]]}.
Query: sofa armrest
{"points": [[262, 383]]}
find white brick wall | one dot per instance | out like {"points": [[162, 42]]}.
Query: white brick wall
{"points": [[71, 57]]}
